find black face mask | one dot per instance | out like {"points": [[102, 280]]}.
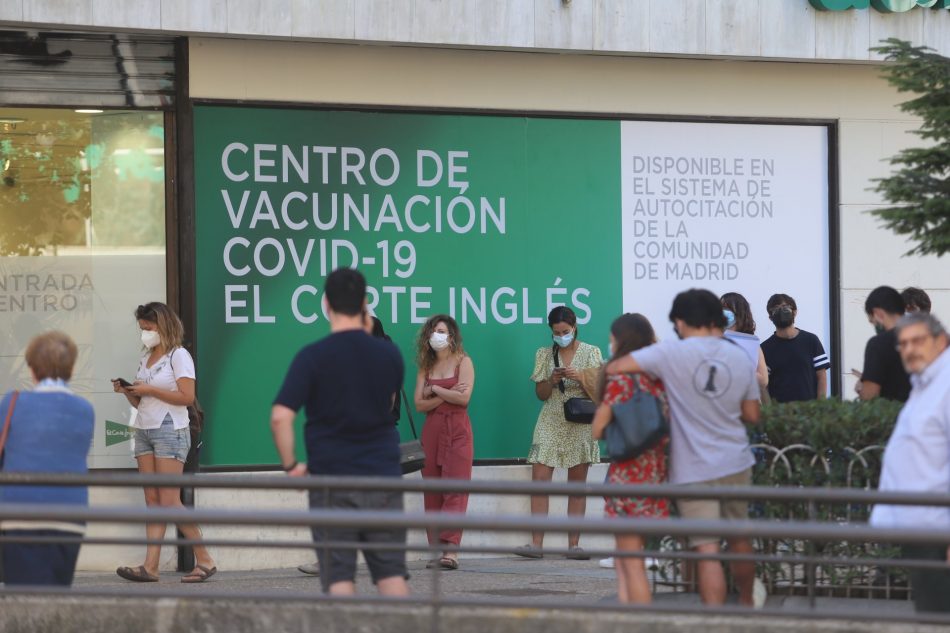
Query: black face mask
{"points": [[782, 318]]}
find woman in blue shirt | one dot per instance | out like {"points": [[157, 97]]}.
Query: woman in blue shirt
{"points": [[50, 431]]}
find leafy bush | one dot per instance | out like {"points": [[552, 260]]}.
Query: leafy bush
{"points": [[824, 443], [839, 442]]}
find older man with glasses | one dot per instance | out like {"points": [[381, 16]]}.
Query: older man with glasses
{"points": [[917, 457]]}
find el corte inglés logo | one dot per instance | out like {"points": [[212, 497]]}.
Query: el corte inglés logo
{"points": [[117, 433]]}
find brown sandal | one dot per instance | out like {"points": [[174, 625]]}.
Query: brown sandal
{"points": [[199, 574], [448, 563], [136, 574]]}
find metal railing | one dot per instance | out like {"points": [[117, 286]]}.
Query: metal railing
{"points": [[849, 467], [759, 530]]}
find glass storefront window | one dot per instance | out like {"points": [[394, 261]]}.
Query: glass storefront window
{"points": [[82, 243]]}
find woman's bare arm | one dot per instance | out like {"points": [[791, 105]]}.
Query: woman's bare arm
{"points": [[423, 398]]}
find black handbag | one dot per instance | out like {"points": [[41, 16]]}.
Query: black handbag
{"points": [[579, 410], [637, 425], [411, 456]]}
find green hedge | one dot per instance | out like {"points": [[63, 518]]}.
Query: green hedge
{"points": [[836, 430]]}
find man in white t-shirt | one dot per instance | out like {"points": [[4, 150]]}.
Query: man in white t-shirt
{"points": [[712, 390]]}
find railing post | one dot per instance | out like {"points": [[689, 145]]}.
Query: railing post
{"points": [[325, 537], [436, 596], [810, 567], [186, 554]]}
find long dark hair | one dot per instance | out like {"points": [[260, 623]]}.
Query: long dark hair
{"points": [[631, 331], [562, 314], [378, 331], [740, 307]]}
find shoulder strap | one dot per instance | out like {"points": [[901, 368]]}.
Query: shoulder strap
{"points": [[557, 363], [412, 424], [171, 360], [6, 423]]}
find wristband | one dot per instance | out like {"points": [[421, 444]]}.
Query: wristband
{"points": [[287, 469]]}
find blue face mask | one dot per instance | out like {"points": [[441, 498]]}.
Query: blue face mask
{"points": [[730, 318], [565, 340]]}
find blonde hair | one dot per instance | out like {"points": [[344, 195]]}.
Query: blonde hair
{"points": [[171, 332], [52, 355]]}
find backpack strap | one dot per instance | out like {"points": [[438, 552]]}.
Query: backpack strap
{"points": [[6, 422]]}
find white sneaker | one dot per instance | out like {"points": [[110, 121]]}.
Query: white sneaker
{"points": [[759, 594], [607, 563]]}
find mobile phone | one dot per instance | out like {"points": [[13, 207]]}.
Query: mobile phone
{"points": [[123, 382]]}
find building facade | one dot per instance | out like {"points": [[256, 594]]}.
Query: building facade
{"points": [[486, 158]]}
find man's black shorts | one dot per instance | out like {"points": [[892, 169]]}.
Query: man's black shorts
{"points": [[338, 565]]}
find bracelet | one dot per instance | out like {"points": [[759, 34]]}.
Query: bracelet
{"points": [[287, 469]]}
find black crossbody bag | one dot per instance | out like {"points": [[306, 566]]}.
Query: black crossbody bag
{"points": [[578, 410], [411, 456]]}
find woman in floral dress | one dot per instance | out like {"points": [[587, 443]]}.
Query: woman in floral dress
{"points": [[558, 443], [629, 333]]}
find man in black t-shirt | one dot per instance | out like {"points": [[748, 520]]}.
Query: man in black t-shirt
{"points": [[797, 362], [347, 383], [883, 373]]}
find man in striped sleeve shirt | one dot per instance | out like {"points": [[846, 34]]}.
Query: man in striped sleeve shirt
{"points": [[797, 362]]}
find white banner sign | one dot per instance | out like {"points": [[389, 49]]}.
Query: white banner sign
{"points": [[728, 207]]}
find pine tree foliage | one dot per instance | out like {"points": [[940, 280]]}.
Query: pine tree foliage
{"points": [[919, 189]]}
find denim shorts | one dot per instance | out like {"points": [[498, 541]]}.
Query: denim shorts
{"points": [[165, 442]]}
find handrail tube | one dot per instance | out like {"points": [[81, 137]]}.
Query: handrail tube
{"points": [[725, 556], [322, 482], [802, 530]]}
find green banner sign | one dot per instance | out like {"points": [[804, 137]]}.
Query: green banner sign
{"points": [[493, 219]]}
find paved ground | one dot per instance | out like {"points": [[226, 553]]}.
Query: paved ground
{"points": [[509, 577]]}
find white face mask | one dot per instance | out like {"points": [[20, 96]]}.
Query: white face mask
{"points": [[439, 340], [150, 338], [565, 340]]}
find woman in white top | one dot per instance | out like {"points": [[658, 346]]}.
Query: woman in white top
{"points": [[163, 389]]}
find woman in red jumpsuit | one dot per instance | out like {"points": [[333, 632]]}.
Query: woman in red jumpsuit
{"points": [[444, 387]]}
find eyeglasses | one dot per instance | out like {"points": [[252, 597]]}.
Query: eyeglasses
{"points": [[913, 341]]}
